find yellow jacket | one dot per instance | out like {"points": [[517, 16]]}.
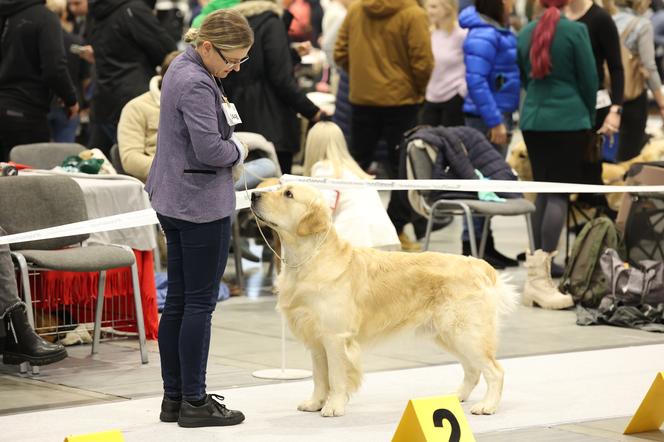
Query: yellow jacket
{"points": [[385, 46]]}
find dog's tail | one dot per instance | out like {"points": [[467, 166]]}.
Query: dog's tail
{"points": [[506, 296]]}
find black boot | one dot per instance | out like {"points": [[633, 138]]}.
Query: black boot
{"points": [[493, 262], [211, 414], [24, 345], [490, 250], [245, 251]]}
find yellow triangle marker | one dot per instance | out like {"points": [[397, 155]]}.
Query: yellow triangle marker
{"points": [[105, 436], [432, 419], [650, 415]]}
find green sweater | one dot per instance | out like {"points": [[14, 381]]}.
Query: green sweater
{"points": [[565, 99], [210, 8]]}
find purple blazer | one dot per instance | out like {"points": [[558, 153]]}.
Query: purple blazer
{"points": [[190, 178]]}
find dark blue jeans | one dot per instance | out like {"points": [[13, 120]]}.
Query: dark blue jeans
{"points": [[197, 255]]}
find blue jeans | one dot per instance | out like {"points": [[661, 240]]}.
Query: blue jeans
{"points": [[197, 255], [63, 129]]}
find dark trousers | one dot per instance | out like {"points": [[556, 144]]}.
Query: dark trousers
{"points": [[103, 136], [197, 255], [15, 130], [370, 124], [448, 113], [632, 136]]}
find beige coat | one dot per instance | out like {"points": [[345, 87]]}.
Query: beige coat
{"points": [[137, 132]]}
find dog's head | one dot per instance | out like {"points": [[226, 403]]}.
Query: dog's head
{"points": [[294, 209]]}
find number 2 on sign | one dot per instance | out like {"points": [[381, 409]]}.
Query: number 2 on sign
{"points": [[443, 414]]}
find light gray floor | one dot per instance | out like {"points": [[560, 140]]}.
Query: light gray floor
{"points": [[246, 337]]}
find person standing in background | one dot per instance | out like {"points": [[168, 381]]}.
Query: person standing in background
{"points": [[128, 44], [385, 46], [492, 74], [190, 185], [447, 87], [560, 78], [33, 65], [264, 91], [637, 33], [63, 128]]}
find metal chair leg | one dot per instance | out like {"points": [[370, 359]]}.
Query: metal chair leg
{"points": [[531, 234], [427, 236], [485, 235], [27, 299], [138, 304], [471, 229], [98, 312]]}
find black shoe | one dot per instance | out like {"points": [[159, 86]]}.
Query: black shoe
{"points": [[170, 410], [211, 414], [490, 250], [493, 262], [24, 345]]}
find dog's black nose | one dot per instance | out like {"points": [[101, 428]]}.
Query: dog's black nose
{"points": [[255, 196]]}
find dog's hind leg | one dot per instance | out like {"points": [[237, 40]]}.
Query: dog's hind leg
{"points": [[471, 374], [493, 375], [321, 380]]}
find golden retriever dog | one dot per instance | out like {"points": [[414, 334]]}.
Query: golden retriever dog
{"points": [[336, 297]]}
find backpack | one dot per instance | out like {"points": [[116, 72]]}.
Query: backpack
{"points": [[634, 72], [583, 277]]}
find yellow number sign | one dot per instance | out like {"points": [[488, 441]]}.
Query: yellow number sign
{"points": [[438, 419], [650, 415]]}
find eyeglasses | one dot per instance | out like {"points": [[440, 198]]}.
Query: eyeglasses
{"points": [[230, 64]]}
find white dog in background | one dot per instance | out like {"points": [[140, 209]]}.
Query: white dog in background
{"points": [[335, 296]]}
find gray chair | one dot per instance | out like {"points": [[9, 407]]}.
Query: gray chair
{"points": [[116, 161], [38, 202], [420, 157], [44, 155]]}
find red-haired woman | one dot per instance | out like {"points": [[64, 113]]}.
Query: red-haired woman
{"points": [[559, 75]]}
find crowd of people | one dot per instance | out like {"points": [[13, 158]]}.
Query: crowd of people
{"points": [[125, 73]]}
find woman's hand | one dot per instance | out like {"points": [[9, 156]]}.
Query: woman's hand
{"points": [[498, 134], [611, 123]]}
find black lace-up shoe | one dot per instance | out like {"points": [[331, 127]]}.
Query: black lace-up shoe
{"points": [[170, 410], [211, 414]]}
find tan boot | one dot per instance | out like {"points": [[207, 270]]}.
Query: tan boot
{"points": [[407, 245], [539, 288]]}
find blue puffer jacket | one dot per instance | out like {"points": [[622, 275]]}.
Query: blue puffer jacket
{"points": [[492, 72]]}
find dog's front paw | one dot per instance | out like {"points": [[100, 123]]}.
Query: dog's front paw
{"points": [[311, 405], [333, 408], [484, 408]]}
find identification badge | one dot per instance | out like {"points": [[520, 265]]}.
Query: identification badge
{"points": [[603, 99], [232, 117]]}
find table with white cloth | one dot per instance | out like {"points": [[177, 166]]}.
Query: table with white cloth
{"points": [[107, 195]]}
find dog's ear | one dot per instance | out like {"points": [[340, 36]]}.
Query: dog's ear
{"points": [[314, 221]]}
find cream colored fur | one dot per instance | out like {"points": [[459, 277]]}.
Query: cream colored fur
{"points": [[336, 297]]}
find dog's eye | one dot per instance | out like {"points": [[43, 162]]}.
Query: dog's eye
{"points": [[288, 194]]}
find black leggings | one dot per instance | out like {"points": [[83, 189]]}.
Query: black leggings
{"points": [[447, 113], [632, 136]]}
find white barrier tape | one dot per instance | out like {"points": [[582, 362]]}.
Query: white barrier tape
{"points": [[127, 220], [243, 200], [468, 185]]}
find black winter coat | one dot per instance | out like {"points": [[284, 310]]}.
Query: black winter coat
{"points": [[461, 150], [264, 91], [32, 59], [129, 43]]}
